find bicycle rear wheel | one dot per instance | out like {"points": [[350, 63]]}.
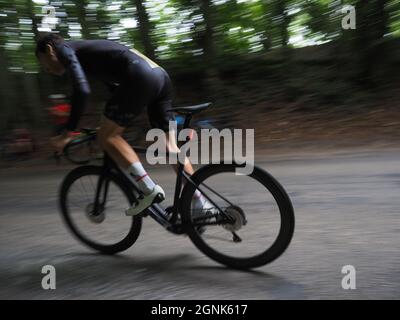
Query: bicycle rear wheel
{"points": [[259, 206], [107, 230]]}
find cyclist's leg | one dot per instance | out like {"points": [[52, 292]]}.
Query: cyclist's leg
{"points": [[123, 154], [172, 147], [200, 202], [119, 113], [111, 141], [128, 100], [159, 118]]}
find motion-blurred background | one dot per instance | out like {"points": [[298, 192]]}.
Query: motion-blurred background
{"points": [[286, 68], [282, 67]]}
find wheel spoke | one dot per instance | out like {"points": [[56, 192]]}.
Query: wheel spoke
{"points": [[84, 190]]}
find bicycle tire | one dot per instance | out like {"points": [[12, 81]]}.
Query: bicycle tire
{"points": [[84, 143], [136, 224], [282, 199]]}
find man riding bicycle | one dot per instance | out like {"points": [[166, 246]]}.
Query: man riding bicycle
{"points": [[141, 84]]}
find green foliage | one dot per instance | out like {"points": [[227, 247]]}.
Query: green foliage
{"points": [[239, 27], [250, 38]]}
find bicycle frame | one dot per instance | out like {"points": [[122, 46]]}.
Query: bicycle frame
{"points": [[156, 211], [181, 217]]}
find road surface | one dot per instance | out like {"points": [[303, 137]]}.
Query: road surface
{"points": [[347, 213]]}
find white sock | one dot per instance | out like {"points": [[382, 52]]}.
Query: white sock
{"points": [[199, 199], [139, 176]]}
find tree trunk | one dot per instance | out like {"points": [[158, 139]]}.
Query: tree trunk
{"points": [[6, 93], [145, 29], [284, 29], [372, 25], [267, 19], [214, 87], [276, 10], [81, 14], [206, 39], [33, 18]]}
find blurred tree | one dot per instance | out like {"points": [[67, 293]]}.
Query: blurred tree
{"points": [[205, 35], [81, 14], [7, 94], [322, 19], [368, 43], [145, 28], [278, 21], [33, 18], [208, 40]]}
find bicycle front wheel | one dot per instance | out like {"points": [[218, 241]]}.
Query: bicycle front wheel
{"points": [[261, 216], [103, 227]]}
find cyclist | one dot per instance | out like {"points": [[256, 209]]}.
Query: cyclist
{"points": [[141, 83]]}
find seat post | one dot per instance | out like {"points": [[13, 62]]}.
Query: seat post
{"points": [[179, 182], [180, 171], [186, 123]]}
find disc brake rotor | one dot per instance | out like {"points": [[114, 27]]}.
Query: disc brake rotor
{"points": [[96, 218], [238, 217]]}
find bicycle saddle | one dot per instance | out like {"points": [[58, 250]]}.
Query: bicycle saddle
{"points": [[190, 109]]}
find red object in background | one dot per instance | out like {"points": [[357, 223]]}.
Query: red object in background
{"points": [[60, 113]]}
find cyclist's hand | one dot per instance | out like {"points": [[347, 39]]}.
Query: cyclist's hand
{"points": [[59, 142]]}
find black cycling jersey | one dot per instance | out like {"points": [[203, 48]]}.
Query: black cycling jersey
{"points": [[142, 82]]}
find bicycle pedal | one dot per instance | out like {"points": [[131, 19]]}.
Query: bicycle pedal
{"points": [[142, 214], [159, 198]]}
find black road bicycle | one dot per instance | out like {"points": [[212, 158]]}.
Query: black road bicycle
{"points": [[252, 222]]}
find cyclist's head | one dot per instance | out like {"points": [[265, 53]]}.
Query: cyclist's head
{"points": [[47, 55]]}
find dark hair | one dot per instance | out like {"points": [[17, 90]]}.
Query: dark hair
{"points": [[52, 39]]}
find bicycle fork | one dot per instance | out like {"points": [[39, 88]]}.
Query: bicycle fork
{"points": [[99, 206]]}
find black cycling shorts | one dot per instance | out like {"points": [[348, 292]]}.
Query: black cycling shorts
{"points": [[143, 87]]}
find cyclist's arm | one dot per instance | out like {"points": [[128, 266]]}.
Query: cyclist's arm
{"points": [[81, 88]]}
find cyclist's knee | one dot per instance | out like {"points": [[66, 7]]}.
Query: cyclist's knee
{"points": [[108, 132], [106, 138]]}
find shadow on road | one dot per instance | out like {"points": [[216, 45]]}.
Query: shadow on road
{"points": [[176, 276], [178, 270]]}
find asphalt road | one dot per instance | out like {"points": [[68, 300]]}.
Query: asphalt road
{"points": [[347, 213]]}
